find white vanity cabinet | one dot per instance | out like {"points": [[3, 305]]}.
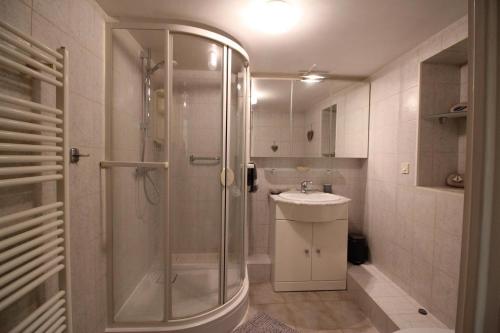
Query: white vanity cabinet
{"points": [[329, 251], [309, 247]]}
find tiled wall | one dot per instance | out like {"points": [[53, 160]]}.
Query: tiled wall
{"points": [[78, 25], [137, 227], [414, 233], [348, 177]]}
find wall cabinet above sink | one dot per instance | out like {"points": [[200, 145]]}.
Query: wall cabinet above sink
{"points": [[291, 118]]}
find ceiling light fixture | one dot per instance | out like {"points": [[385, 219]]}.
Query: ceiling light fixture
{"points": [[272, 16], [313, 76]]}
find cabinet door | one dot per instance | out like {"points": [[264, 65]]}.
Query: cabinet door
{"points": [[292, 251], [353, 113], [329, 251]]}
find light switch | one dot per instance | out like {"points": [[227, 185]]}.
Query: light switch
{"points": [[405, 168]]}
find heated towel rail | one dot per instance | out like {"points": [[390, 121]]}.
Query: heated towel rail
{"points": [[34, 243]]}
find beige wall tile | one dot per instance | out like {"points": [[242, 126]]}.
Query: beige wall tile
{"points": [[421, 281], [444, 297], [387, 85], [407, 137], [449, 213], [409, 104], [17, 14], [55, 11], [425, 206]]}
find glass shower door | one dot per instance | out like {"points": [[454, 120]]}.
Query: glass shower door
{"points": [[136, 174], [235, 176], [196, 204]]}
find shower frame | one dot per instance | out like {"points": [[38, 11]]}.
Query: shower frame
{"points": [[228, 313]]}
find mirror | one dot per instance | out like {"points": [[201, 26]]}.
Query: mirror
{"points": [[270, 118], [307, 101], [328, 130], [291, 118]]}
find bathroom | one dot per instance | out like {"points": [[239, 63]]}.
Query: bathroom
{"points": [[249, 166]]}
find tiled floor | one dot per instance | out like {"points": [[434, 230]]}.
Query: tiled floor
{"points": [[320, 311]]}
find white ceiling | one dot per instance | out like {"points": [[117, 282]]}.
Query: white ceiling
{"points": [[351, 37]]}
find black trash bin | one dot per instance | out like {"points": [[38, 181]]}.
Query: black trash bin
{"points": [[357, 249]]}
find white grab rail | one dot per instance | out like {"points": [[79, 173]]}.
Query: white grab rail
{"points": [[34, 148], [132, 164]]}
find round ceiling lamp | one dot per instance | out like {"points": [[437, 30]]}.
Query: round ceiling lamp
{"points": [[272, 16]]}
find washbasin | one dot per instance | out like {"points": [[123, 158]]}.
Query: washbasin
{"points": [[310, 207], [310, 197]]}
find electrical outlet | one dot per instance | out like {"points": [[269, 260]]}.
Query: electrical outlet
{"points": [[405, 168]]}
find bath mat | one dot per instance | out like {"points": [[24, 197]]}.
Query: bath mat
{"points": [[262, 323]]}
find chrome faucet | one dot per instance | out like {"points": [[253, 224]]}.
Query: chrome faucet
{"points": [[304, 186]]}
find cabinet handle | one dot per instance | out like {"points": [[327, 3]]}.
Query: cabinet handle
{"points": [[318, 251], [306, 251]]}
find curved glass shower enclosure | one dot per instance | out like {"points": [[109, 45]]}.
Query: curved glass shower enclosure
{"points": [[175, 172]]}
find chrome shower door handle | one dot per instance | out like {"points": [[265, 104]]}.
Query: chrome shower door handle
{"points": [[193, 158]]}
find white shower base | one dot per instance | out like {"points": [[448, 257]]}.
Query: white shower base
{"points": [[195, 290]]}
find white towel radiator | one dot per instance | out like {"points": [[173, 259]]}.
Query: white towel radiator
{"points": [[34, 243]]}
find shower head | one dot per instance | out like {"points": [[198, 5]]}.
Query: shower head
{"points": [[156, 67]]}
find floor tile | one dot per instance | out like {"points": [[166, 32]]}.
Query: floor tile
{"points": [[299, 296], [310, 312], [370, 329], [312, 315], [278, 311], [319, 331], [332, 295], [347, 314], [263, 293]]}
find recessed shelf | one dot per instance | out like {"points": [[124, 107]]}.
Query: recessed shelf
{"points": [[446, 115]]}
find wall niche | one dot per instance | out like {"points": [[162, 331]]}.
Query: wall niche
{"points": [[442, 127]]}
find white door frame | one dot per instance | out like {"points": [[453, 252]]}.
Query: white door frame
{"points": [[479, 292]]}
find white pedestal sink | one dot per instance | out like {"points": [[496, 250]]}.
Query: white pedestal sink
{"points": [[307, 255], [314, 198], [311, 206]]}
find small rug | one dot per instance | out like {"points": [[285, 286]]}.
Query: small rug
{"points": [[262, 323]]}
